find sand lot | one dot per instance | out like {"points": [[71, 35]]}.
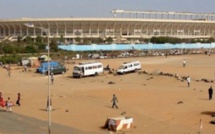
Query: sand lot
{"points": [[150, 99]]}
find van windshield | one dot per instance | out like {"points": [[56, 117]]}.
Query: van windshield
{"points": [[77, 69], [121, 67]]}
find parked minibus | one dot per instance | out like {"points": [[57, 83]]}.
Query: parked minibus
{"points": [[131, 66], [88, 69]]}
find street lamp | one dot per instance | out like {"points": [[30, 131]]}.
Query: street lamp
{"points": [[30, 25]]}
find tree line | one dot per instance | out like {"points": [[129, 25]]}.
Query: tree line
{"points": [[172, 40], [11, 52]]}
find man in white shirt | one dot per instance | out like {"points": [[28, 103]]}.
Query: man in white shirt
{"points": [[188, 81], [184, 63]]}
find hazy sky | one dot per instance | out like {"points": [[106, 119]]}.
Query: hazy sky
{"points": [[10, 9]]}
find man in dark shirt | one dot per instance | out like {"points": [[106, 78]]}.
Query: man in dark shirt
{"points": [[114, 100], [210, 92], [18, 99]]}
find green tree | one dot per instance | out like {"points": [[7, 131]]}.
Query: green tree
{"points": [[28, 39], [96, 40], [78, 40], [109, 40], [62, 40], [99, 41], [210, 40], [162, 40], [40, 46], [19, 39], [1, 48], [19, 49], [53, 45], [86, 41], [9, 49], [39, 39], [30, 49], [10, 59]]}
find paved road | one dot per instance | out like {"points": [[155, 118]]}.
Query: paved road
{"points": [[12, 123]]}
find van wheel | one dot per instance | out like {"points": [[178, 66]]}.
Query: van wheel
{"points": [[96, 74]]}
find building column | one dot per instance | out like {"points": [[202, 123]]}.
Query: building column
{"points": [[65, 29], [57, 30]]}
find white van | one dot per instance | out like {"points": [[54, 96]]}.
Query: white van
{"points": [[87, 69], [129, 67]]}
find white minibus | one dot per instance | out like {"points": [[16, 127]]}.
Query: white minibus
{"points": [[129, 67], [87, 69]]}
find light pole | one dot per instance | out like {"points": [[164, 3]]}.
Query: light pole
{"points": [[30, 25]]}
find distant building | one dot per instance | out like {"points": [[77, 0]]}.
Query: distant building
{"points": [[130, 26]]}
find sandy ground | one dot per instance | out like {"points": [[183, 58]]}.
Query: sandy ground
{"points": [[150, 99]]}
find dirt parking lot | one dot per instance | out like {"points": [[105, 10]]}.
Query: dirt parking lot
{"points": [[151, 99]]}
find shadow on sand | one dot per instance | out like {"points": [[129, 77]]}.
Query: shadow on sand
{"points": [[2, 110], [211, 113], [203, 99], [42, 109], [69, 76], [108, 106]]}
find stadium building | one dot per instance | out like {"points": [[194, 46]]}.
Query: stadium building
{"points": [[123, 27]]}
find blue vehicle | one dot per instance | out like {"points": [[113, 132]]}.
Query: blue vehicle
{"points": [[55, 67]]}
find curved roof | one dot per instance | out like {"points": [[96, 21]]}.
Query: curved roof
{"points": [[24, 20]]}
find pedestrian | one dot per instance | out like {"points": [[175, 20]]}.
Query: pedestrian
{"points": [[210, 93], [8, 71], [108, 67], [166, 55], [184, 63], [188, 81], [114, 100], [49, 104], [1, 99], [25, 68], [52, 78], [18, 99], [2, 103], [9, 105]]}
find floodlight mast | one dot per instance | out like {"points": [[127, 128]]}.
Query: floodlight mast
{"points": [[31, 25]]}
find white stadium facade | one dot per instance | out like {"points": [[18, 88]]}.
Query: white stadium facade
{"points": [[124, 26]]}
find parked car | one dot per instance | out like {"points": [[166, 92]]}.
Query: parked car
{"points": [[57, 69]]}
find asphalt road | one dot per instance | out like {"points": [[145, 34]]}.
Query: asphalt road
{"points": [[12, 123]]}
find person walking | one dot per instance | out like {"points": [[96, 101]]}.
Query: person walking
{"points": [[18, 99], [1, 98], [188, 81], [114, 100], [8, 71], [9, 105], [210, 93], [2, 103], [25, 68], [49, 104], [52, 78], [184, 63]]}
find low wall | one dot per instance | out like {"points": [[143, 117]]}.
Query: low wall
{"points": [[118, 47]]}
